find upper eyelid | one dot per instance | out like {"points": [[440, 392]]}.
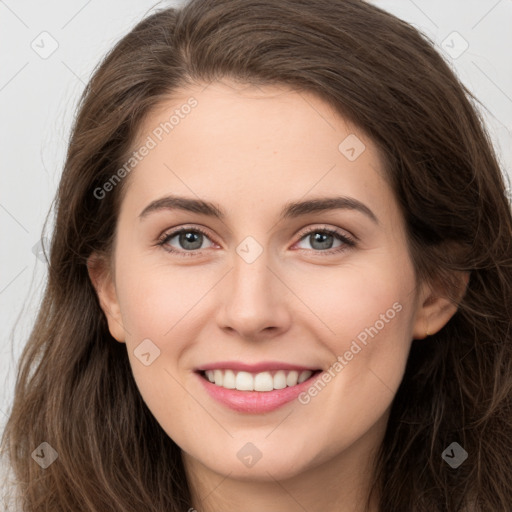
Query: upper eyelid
{"points": [[172, 232], [325, 227]]}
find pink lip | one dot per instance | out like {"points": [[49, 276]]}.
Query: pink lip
{"points": [[253, 368], [256, 402]]}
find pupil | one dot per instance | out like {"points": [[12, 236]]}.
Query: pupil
{"points": [[188, 238], [323, 244]]}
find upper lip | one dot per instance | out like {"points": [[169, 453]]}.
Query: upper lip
{"points": [[253, 368]]}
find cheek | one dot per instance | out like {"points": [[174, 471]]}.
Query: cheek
{"points": [[354, 296], [155, 300], [158, 316], [365, 312], [161, 304], [367, 316]]}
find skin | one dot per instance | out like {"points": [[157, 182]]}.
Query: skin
{"points": [[251, 150]]}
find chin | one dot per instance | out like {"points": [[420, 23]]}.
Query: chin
{"points": [[265, 469]]}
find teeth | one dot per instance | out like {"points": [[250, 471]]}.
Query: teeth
{"points": [[263, 381], [218, 377], [244, 381], [280, 380], [291, 378], [229, 380], [304, 376]]}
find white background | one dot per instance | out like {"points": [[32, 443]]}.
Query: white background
{"points": [[38, 97]]}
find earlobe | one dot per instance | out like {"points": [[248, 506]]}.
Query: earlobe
{"points": [[437, 306], [102, 281]]}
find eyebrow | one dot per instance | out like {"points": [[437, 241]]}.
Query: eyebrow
{"points": [[290, 210]]}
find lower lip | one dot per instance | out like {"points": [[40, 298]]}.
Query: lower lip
{"points": [[255, 402]]}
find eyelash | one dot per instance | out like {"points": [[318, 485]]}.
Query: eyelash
{"points": [[347, 241]]}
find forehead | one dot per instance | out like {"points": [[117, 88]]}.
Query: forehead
{"points": [[252, 145]]}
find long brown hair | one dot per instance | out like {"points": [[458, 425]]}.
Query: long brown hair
{"points": [[74, 387]]}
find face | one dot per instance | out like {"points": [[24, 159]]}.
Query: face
{"points": [[300, 310]]}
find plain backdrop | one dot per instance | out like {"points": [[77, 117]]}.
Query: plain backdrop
{"points": [[48, 52]]}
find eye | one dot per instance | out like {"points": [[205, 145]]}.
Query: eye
{"points": [[321, 240], [189, 240]]}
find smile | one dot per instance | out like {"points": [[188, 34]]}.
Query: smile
{"points": [[257, 388], [262, 381]]}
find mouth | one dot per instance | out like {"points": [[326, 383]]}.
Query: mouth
{"points": [[258, 391], [263, 382]]}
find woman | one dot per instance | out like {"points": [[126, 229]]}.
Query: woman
{"points": [[338, 335]]}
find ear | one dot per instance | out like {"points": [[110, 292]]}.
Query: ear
{"points": [[101, 277], [438, 302]]}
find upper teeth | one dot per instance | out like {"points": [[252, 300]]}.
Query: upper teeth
{"points": [[264, 381]]}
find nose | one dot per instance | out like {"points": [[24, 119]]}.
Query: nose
{"points": [[254, 300]]}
